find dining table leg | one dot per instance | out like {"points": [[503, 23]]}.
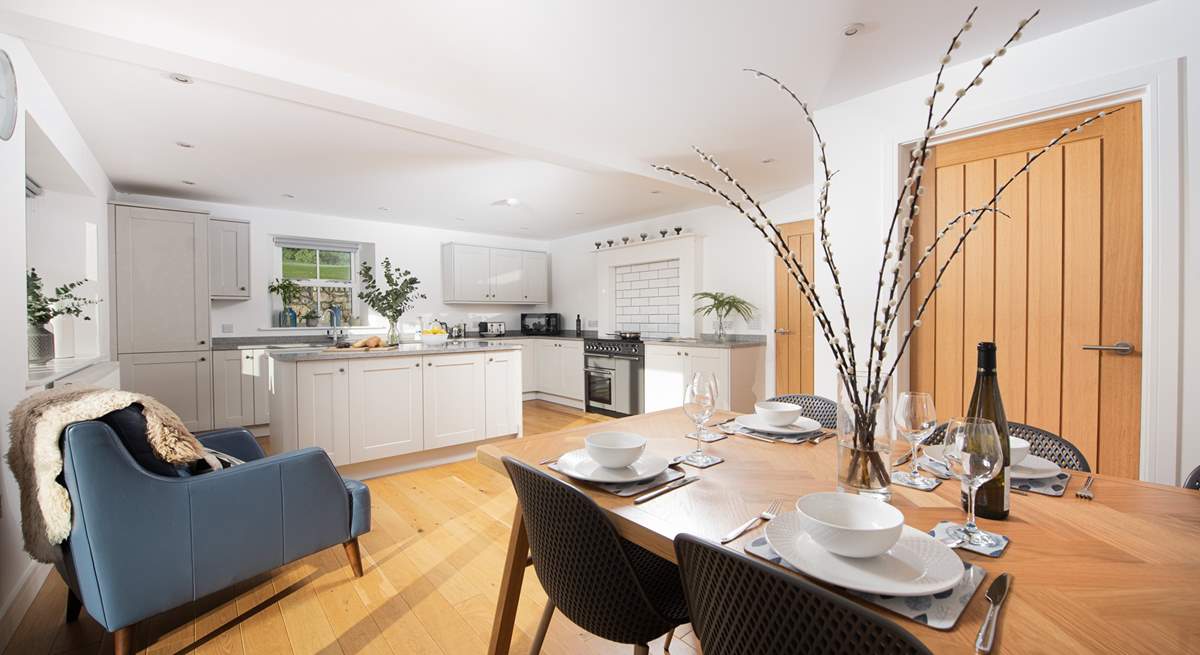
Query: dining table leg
{"points": [[510, 587]]}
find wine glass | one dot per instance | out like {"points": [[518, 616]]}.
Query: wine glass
{"points": [[916, 419], [699, 403], [974, 454]]}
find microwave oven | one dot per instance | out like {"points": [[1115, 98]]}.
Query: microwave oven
{"points": [[550, 324]]}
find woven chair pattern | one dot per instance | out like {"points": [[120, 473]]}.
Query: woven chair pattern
{"points": [[818, 408], [1041, 443]]}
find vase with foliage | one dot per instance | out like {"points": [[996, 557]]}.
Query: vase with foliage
{"points": [[390, 298], [40, 309], [288, 291], [865, 371], [722, 306]]}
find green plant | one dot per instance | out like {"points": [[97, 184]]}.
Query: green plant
{"points": [[311, 315], [40, 308], [397, 298], [286, 289], [722, 305]]}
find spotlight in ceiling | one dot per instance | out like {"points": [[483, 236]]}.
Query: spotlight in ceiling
{"points": [[655, 192], [852, 29], [524, 229], [460, 218], [507, 202], [382, 209], [769, 160], [188, 182], [287, 195], [181, 78], [579, 213], [185, 145]]}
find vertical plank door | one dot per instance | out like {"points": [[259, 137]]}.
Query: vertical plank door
{"points": [[793, 317]]}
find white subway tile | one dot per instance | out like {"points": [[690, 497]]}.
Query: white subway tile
{"points": [[639, 302]]}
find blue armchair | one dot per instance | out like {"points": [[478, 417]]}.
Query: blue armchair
{"points": [[143, 542]]}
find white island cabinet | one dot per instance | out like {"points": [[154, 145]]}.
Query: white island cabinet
{"points": [[366, 407]]}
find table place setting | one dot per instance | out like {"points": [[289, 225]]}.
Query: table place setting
{"points": [[775, 422]]}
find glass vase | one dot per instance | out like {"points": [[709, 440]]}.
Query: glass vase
{"points": [[865, 433], [393, 333]]}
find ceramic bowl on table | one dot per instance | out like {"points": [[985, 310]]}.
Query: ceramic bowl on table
{"points": [[615, 449], [776, 413], [850, 525], [1018, 448]]}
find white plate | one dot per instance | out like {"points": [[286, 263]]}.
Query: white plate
{"points": [[1034, 468], [802, 425], [579, 465], [918, 565]]}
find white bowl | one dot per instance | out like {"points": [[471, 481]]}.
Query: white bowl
{"points": [[434, 339], [850, 525], [1018, 448], [776, 413], [615, 450]]}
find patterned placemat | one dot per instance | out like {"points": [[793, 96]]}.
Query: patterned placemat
{"points": [[625, 490], [1055, 486], [940, 611], [941, 532]]}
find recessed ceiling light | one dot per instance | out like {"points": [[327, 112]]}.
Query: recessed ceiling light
{"points": [[460, 218], [655, 192], [507, 202], [184, 144], [525, 229], [852, 29], [181, 78], [287, 195], [383, 209], [769, 160], [188, 182], [578, 213]]}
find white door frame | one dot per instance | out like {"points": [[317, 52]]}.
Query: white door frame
{"points": [[1157, 87]]}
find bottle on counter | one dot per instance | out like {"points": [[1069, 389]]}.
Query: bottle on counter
{"points": [[991, 501], [578, 326]]}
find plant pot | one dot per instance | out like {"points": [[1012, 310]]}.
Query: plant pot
{"points": [[312, 322], [865, 433], [41, 344]]}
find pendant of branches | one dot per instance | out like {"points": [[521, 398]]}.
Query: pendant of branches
{"points": [[899, 267]]}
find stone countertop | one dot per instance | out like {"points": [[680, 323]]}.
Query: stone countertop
{"points": [[44, 375], [318, 353], [250, 343], [709, 341]]}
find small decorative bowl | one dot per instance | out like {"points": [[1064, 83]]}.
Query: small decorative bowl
{"points": [[615, 449], [850, 525]]}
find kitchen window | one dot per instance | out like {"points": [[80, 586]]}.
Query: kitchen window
{"points": [[325, 271]]}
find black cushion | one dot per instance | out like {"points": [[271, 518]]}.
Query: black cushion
{"points": [[130, 426]]}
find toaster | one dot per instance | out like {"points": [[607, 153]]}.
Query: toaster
{"points": [[492, 328]]}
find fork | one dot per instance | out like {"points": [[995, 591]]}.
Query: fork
{"points": [[767, 515], [1086, 492]]}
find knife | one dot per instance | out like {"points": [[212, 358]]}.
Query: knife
{"points": [[995, 595], [682, 482]]}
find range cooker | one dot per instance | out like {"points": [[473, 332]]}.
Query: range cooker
{"points": [[613, 376]]}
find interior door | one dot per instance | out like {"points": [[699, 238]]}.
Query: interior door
{"points": [[507, 275], [793, 317], [1054, 280], [386, 407]]}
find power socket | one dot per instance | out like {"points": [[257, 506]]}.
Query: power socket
{"points": [[227, 328], [593, 323]]}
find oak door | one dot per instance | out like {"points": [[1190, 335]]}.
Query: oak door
{"points": [[1060, 275], [793, 317], [386, 406]]}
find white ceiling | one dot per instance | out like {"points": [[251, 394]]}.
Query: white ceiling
{"points": [[437, 109]]}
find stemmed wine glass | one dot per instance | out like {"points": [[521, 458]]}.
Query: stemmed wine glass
{"points": [[916, 419], [699, 403], [974, 454]]}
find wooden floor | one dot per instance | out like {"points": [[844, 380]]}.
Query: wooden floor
{"points": [[432, 560]]}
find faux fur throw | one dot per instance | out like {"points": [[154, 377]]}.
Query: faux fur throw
{"points": [[36, 460]]}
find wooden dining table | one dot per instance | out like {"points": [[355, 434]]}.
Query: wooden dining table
{"points": [[1119, 574]]}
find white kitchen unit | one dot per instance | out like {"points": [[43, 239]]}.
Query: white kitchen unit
{"points": [[479, 274], [502, 396], [181, 381], [559, 367], [228, 259], [233, 388], [455, 400], [386, 408], [739, 373], [321, 405]]}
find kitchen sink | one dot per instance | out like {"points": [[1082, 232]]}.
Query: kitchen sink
{"points": [[679, 339]]}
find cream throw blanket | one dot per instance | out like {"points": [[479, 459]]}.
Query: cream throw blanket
{"points": [[36, 460]]}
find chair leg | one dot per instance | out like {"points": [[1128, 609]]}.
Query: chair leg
{"points": [[543, 626], [123, 641], [641, 649], [355, 557], [73, 606], [667, 641]]}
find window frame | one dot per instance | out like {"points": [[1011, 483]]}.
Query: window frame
{"points": [[353, 285]]}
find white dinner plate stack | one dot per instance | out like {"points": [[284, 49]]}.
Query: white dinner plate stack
{"points": [[578, 464]]}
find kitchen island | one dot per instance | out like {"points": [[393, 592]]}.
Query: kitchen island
{"points": [[387, 410]]}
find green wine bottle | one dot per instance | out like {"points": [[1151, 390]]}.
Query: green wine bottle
{"points": [[991, 501]]}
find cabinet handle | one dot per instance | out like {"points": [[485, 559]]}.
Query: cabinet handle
{"points": [[242, 288], [677, 353], [249, 357], [341, 370], [202, 359], [490, 359], [202, 342]]}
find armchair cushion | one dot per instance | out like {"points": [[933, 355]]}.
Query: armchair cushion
{"points": [[360, 507], [130, 426], [233, 441]]}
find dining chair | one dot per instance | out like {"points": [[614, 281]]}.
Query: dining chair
{"points": [[818, 408], [741, 606], [605, 584], [1193, 479], [1041, 443]]}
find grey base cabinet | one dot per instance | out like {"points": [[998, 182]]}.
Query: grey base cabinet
{"points": [[241, 388], [181, 381]]}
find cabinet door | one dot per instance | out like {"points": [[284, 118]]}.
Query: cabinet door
{"points": [[663, 377], [385, 407], [535, 275], [472, 273], [507, 275], [322, 408], [181, 381], [571, 369], [529, 373], [228, 259], [263, 373], [711, 360], [502, 393], [162, 280], [549, 368], [453, 399], [233, 388]]}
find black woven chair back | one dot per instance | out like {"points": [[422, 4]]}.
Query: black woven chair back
{"points": [[741, 606], [1193, 479], [818, 408], [1041, 443], [589, 572]]}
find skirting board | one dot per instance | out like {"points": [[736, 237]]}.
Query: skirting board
{"points": [[18, 605], [414, 461], [551, 398]]}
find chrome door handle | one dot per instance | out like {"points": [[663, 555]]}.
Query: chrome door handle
{"points": [[782, 331], [1120, 348]]}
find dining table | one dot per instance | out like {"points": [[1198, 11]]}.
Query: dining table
{"points": [[1119, 573]]}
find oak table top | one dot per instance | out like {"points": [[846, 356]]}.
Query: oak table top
{"points": [[1116, 574]]}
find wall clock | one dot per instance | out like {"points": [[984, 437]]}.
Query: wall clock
{"points": [[8, 97]]}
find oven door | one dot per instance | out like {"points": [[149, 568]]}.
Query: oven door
{"points": [[611, 384]]}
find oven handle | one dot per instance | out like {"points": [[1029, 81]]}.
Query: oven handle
{"points": [[632, 358], [599, 371]]}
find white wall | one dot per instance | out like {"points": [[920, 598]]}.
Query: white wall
{"points": [[39, 100], [863, 134], [416, 248]]}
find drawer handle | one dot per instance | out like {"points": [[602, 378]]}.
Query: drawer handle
{"points": [[341, 370], [202, 359], [202, 342], [243, 288]]}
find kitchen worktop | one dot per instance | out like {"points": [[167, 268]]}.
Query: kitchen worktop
{"points": [[317, 353]]}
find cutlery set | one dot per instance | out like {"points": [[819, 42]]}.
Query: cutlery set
{"points": [[1085, 492], [767, 515]]}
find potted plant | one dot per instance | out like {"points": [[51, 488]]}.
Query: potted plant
{"points": [[722, 305], [288, 291], [391, 302], [40, 309], [311, 318]]}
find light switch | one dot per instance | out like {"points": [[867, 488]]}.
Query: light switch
{"points": [[227, 328]]}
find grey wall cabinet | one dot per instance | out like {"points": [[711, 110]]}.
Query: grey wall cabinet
{"points": [[228, 259]]}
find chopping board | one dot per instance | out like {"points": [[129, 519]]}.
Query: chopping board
{"points": [[360, 350]]}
